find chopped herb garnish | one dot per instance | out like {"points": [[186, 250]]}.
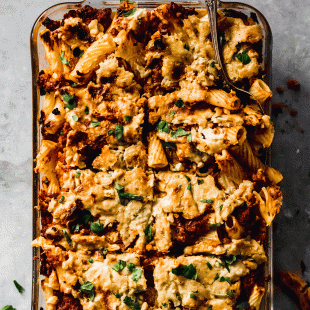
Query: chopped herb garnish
{"points": [[77, 52], [186, 47], [188, 272], [216, 277], [86, 111], [126, 197], [209, 266], [200, 182], [91, 260], [163, 127], [75, 118], [179, 103], [169, 145], [128, 118], [212, 226], [189, 137], [189, 186], [187, 178], [222, 39], [131, 267], [118, 131], [120, 265], [243, 305], [118, 295], [71, 104], [109, 175], [230, 293], [95, 124], [64, 60], [110, 132], [69, 241], [231, 13], [213, 64], [172, 113], [148, 233], [78, 173], [88, 288], [76, 228], [96, 227], [8, 308], [180, 185], [86, 216], [46, 182], [62, 199], [209, 307], [227, 279], [134, 305], [104, 251], [164, 304], [129, 13], [18, 286], [159, 44], [221, 207], [179, 133], [74, 85], [209, 201], [56, 111], [244, 57], [136, 274], [61, 132], [225, 262], [192, 295]]}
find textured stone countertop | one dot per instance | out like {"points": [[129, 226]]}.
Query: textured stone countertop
{"points": [[290, 23]]}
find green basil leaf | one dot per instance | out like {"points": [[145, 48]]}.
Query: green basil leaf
{"points": [[209, 266], [120, 265], [129, 13], [209, 307], [8, 308], [126, 197], [200, 182], [91, 260], [212, 226], [64, 60], [189, 137], [179, 103], [69, 99], [62, 199], [131, 267], [128, 118], [86, 111], [118, 295], [164, 304], [136, 274], [179, 133], [111, 132], [18, 286], [230, 293], [213, 64], [74, 85], [76, 228], [192, 295], [243, 305], [216, 277], [244, 57], [148, 233], [187, 178], [96, 227], [88, 288], [119, 131], [227, 279], [69, 241], [188, 272], [75, 118], [104, 251], [209, 201], [134, 305], [86, 216], [221, 207], [78, 173], [95, 124], [189, 186], [163, 127]]}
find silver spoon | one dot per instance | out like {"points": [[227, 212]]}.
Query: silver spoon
{"points": [[212, 14]]}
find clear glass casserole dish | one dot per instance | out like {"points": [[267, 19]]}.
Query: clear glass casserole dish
{"points": [[39, 62]]}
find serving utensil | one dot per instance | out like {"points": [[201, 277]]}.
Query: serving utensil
{"points": [[211, 6]]}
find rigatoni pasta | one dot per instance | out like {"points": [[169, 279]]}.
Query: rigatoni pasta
{"points": [[154, 194]]}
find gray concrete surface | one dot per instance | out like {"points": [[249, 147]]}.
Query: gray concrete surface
{"points": [[290, 22]]}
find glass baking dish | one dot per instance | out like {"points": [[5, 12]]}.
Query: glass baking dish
{"points": [[39, 62]]}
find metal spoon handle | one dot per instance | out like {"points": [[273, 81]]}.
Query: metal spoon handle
{"points": [[212, 14]]}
